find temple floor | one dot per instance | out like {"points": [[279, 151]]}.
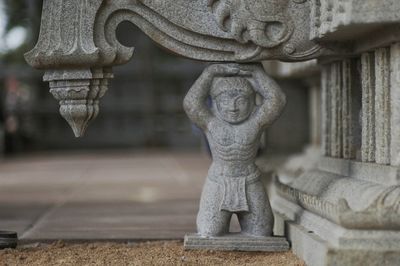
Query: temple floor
{"points": [[101, 195], [90, 199]]}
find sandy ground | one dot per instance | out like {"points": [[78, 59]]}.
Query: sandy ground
{"points": [[149, 253]]}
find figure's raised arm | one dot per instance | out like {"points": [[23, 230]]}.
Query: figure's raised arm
{"points": [[195, 101], [274, 100]]}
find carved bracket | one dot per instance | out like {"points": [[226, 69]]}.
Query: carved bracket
{"points": [[77, 45]]}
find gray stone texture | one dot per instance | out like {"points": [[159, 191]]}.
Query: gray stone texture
{"points": [[102, 196], [233, 123], [237, 242], [320, 242], [77, 46], [344, 209]]}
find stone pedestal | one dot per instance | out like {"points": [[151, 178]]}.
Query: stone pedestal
{"points": [[320, 242], [237, 242]]}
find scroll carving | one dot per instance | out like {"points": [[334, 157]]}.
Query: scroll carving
{"points": [[80, 36], [383, 213], [265, 23]]}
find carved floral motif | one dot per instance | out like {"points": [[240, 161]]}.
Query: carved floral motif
{"points": [[265, 23]]}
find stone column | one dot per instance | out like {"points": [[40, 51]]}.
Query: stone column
{"points": [[351, 195], [339, 109], [395, 104], [315, 112]]}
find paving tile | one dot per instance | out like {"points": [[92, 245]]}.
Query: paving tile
{"points": [[118, 220], [20, 217], [102, 195]]}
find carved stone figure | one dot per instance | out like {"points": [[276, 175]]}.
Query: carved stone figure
{"points": [[233, 126]]}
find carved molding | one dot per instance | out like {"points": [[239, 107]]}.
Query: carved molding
{"points": [[82, 33], [78, 39], [339, 20], [332, 198], [381, 214]]}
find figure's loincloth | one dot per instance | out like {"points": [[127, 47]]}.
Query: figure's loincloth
{"points": [[234, 191]]}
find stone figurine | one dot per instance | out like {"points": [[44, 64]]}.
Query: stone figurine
{"points": [[233, 126]]}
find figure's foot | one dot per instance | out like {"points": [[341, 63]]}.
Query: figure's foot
{"points": [[258, 232], [209, 233]]}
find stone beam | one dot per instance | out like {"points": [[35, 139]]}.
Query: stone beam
{"points": [[77, 46]]}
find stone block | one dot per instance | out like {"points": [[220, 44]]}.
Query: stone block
{"points": [[236, 242]]}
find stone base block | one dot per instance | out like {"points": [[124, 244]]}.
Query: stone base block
{"points": [[320, 242], [237, 242], [317, 252]]}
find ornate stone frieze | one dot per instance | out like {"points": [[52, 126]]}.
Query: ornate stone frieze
{"points": [[82, 33], [360, 107], [347, 19], [79, 36], [332, 201]]}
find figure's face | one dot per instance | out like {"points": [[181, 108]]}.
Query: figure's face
{"points": [[234, 107]]}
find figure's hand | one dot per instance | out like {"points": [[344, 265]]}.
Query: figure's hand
{"points": [[250, 67], [233, 69], [245, 73], [252, 70], [224, 70]]}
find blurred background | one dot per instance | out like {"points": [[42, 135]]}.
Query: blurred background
{"points": [[139, 170], [142, 109]]}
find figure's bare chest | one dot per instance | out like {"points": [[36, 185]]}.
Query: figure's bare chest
{"points": [[233, 135]]}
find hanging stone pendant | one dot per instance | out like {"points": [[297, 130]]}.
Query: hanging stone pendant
{"points": [[78, 92]]}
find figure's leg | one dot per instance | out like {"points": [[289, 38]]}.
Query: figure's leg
{"points": [[259, 221], [210, 220]]}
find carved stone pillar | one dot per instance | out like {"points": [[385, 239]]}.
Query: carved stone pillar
{"points": [[345, 209]]}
